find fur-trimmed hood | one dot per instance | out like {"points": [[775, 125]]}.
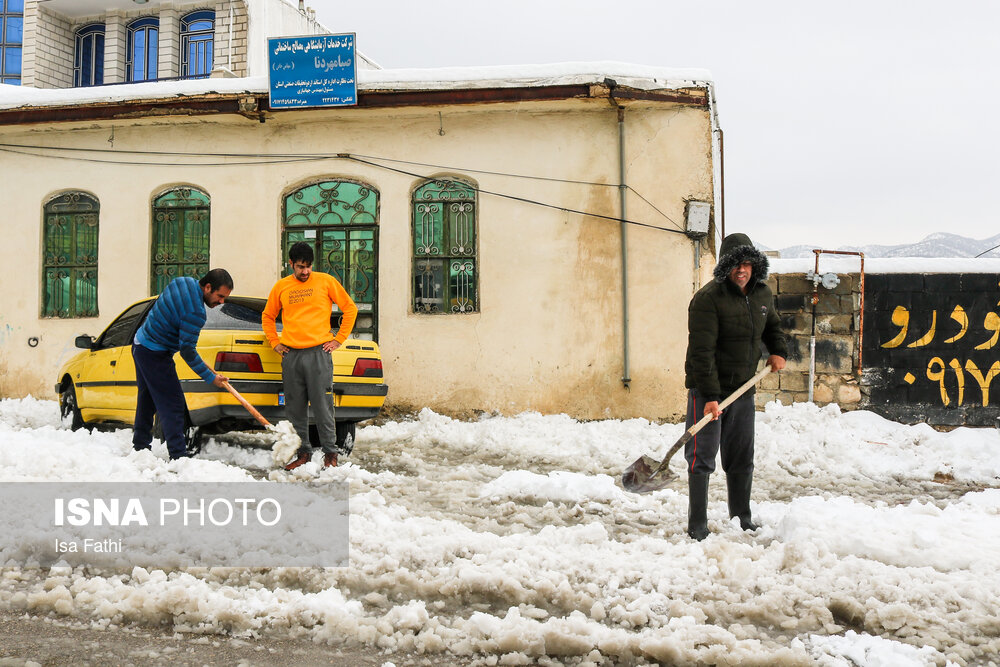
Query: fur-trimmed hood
{"points": [[736, 249]]}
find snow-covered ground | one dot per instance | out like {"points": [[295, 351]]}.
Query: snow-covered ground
{"points": [[511, 541]]}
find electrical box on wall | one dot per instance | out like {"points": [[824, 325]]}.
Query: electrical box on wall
{"points": [[698, 215]]}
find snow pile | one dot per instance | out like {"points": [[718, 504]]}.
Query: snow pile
{"points": [[510, 539], [286, 444]]}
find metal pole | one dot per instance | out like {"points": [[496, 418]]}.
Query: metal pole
{"points": [[622, 190]]}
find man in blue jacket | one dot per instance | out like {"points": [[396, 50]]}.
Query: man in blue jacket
{"points": [[173, 325]]}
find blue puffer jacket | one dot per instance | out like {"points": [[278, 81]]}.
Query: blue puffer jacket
{"points": [[175, 323]]}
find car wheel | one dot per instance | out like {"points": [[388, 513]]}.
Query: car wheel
{"points": [[68, 407], [193, 436], [345, 436]]}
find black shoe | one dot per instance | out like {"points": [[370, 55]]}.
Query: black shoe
{"points": [[738, 485], [697, 506], [299, 460]]}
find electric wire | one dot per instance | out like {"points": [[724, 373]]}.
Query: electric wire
{"points": [[986, 251], [520, 199], [281, 158], [129, 163]]}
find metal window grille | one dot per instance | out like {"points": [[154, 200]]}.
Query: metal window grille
{"points": [[181, 231], [445, 276], [11, 38], [340, 220], [88, 64], [142, 49], [69, 280], [197, 44]]}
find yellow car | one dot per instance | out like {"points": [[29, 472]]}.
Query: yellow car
{"points": [[97, 386]]}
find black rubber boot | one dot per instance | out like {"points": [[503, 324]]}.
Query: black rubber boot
{"points": [[697, 506], [739, 485]]}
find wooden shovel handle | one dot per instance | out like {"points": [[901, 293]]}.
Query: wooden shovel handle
{"points": [[246, 404], [704, 421]]}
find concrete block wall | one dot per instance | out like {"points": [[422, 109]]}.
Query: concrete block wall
{"points": [[231, 44], [51, 44], [836, 324], [929, 346]]}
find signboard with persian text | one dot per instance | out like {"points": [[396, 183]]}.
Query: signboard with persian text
{"points": [[316, 71]]}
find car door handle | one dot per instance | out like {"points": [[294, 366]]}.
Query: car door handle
{"points": [[113, 363]]}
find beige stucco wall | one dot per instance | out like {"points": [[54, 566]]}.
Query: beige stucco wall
{"points": [[548, 336]]}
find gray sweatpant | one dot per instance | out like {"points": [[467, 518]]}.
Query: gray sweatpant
{"points": [[307, 375]]}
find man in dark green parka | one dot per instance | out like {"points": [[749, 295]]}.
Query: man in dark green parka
{"points": [[728, 319]]}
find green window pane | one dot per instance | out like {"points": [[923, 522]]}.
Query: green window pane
{"points": [[428, 285], [444, 228], [339, 219], [462, 284], [69, 282], [428, 229], [332, 203], [181, 233]]}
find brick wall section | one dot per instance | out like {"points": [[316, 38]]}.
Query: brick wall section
{"points": [[28, 48], [54, 44], [837, 326], [50, 41], [231, 51], [115, 49], [168, 61]]}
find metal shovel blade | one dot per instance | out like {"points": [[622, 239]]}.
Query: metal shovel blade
{"points": [[646, 475]]}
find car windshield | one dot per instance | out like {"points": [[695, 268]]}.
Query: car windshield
{"points": [[238, 312]]}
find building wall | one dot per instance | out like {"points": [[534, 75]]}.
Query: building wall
{"points": [[50, 42], [929, 349], [548, 336]]}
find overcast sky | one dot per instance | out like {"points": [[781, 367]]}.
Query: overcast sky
{"points": [[855, 122]]}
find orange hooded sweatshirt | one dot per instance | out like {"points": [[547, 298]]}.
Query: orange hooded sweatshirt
{"points": [[305, 309]]}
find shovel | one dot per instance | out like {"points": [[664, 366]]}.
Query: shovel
{"points": [[246, 404], [647, 474], [287, 443]]}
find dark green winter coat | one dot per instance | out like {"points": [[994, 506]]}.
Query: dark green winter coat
{"points": [[726, 328]]}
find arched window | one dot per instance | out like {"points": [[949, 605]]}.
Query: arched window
{"points": [[445, 279], [69, 281], [181, 230], [142, 49], [88, 65], [11, 38], [340, 220], [197, 43]]}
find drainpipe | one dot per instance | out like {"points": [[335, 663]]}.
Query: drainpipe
{"points": [[623, 227]]}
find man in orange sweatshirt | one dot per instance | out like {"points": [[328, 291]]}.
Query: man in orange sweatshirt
{"points": [[305, 300]]}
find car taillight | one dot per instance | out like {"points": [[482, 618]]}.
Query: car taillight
{"points": [[369, 368], [246, 362]]}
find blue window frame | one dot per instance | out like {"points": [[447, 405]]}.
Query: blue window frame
{"points": [[11, 37], [197, 44], [88, 64], [142, 49]]}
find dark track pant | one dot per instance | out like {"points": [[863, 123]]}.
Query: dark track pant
{"points": [[159, 393], [307, 376], [732, 432]]}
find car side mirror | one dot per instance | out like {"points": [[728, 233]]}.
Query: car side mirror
{"points": [[85, 342]]}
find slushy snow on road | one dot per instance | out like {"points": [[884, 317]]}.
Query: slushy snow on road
{"points": [[509, 540]]}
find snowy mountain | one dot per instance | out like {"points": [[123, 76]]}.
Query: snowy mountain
{"points": [[940, 244]]}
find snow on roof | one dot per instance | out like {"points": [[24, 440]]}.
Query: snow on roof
{"points": [[845, 264], [450, 78]]}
